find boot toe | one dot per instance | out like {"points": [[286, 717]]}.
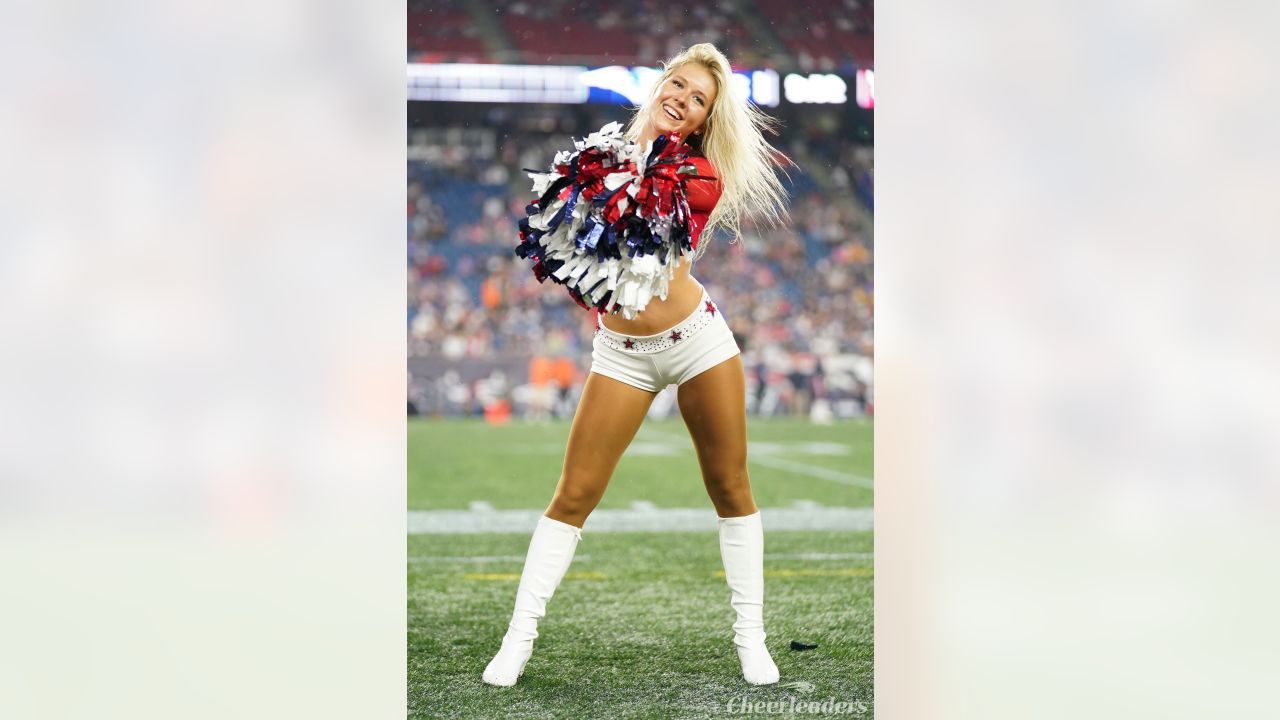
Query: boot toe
{"points": [[761, 677], [498, 679], [508, 665], [758, 667]]}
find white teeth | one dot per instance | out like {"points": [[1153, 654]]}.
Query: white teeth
{"points": [[671, 112]]}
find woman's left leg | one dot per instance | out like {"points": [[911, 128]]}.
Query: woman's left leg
{"points": [[713, 405]]}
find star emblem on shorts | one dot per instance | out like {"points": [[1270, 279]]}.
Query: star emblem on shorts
{"points": [[711, 308], [675, 336], [628, 343]]}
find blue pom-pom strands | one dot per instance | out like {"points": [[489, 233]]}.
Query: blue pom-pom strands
{"points": [[611, 222]]}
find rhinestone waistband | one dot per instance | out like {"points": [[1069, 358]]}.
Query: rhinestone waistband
{"points": [[701, 317]]}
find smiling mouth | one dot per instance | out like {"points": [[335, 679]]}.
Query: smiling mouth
{"points": [[672, 113]]}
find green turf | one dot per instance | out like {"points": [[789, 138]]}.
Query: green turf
{"points": [[516, 466], [641, 627]]}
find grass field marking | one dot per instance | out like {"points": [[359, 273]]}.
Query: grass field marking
{"points": [[480, 506], [819, 556], [778, 463], [466, 522], [811, 470], [825, 448], [835, 572], [805, 504], [415, 559], [513, 577], [643, 506], [803, 447]]}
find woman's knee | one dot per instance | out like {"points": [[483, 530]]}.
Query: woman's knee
{"points": [[575, 496], [726, 475], [728, 483]]}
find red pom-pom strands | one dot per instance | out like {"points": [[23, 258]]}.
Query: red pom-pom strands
{"points": [[611, 222]]}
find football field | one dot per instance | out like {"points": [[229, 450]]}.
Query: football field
{"points": [[641, 626]]}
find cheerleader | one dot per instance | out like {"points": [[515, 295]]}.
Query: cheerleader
{"points": [[681, 338]]}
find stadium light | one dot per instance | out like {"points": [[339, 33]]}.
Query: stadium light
{"points": [[865, 89], [764, 87], [815, 88], [467, 82], [630, 83], [567, 84]]}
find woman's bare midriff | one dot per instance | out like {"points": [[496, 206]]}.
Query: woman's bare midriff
{"points": [[683, 295]]}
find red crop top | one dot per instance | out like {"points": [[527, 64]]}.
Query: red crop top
{"points": [[703, 196]]}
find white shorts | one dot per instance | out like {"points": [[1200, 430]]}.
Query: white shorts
{"points": [[676, 355]]}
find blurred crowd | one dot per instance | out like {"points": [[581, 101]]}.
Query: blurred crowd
{"points": [[806, 35], [487, 338]]}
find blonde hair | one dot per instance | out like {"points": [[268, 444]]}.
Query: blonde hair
{"points": [[733, 142]]}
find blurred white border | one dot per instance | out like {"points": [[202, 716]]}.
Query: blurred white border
{"points": [[201, 299], [201, 485], [1077, 360]]}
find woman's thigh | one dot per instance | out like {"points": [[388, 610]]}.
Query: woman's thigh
{"points": [[713, 405], [608, 416]]}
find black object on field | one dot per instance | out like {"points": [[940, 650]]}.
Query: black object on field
{"points": [[795, 645]]}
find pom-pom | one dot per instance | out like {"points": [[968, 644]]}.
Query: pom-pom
{"points": [[611, 221]]}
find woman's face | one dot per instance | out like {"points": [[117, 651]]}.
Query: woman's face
{"points": [[684, 100]]}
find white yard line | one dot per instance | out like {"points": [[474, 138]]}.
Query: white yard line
{"points": [[776, 463], [461, 522], [415, 559], [819, 556], [810, 470]]}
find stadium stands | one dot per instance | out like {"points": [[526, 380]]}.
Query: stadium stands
{"points": [[784, 34], [444, 32], [823, 34]]}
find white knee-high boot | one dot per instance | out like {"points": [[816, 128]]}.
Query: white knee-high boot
{"points": [[742, 550], [550, 552]]}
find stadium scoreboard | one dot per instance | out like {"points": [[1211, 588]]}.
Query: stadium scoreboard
{"points": [[615, 84]]}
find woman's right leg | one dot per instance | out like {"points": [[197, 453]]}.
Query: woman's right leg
{"points": [[608, 416]]}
